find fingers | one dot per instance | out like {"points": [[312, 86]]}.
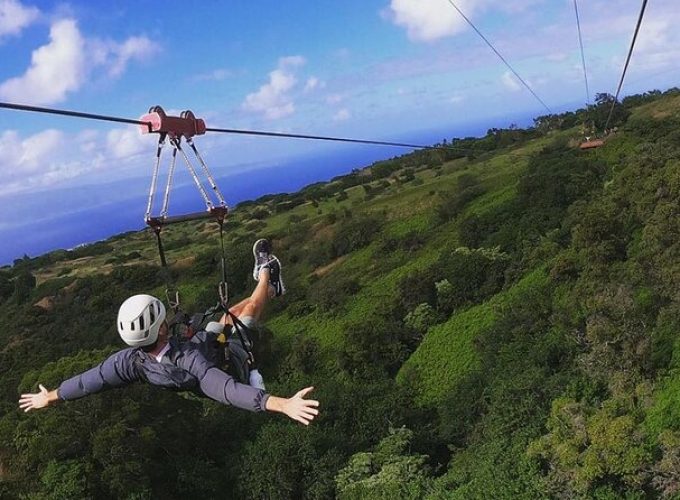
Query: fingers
{"points": [[311, 411], [301, 419], [304, 392], [306, 414], [42, 388], [26, 403], [307, 417], [303, 410]]}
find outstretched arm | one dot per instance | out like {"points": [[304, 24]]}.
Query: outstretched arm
{"points": [[116, 371], [38, 400], [296, 407]]}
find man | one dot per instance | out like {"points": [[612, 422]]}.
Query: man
{"points": [[153, 358]]}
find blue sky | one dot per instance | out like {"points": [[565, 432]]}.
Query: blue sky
{"points": [[383, 69]]}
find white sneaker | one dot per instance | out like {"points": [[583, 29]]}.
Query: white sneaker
{"points": [[262, 255], [275, 278]]}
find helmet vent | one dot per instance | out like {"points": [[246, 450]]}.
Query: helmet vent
{"points": [[141, 322], [132, 326]]}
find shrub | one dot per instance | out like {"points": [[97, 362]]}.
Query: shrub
{"points": [[354, 234], [421, 318], [472, 276]]}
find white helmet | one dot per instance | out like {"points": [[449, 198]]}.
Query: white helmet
{"points": [[139, 319]]}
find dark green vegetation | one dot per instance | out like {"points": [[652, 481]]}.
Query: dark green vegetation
{"points": [[497, 323]]}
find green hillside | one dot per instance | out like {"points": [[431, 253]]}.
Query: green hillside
{"points": [[496, 320]]}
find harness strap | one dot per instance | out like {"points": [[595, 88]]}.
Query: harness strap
{"points": [[240, 328], [222, 288], [161, 251], [171, 293], [224, 299]]}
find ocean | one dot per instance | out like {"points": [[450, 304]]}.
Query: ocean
{"points": [[41, 228], [31, 225]]}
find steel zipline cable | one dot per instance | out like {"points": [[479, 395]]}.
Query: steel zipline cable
{"points": [[321, 138], [625, 67], [501, 57], [109, 118], [75, 114], [583, 56]]}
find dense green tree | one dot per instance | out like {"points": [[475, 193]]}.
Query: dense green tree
{"points": [[390, 471]]}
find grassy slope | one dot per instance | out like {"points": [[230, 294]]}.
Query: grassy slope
{"points": [[447, 353], [408, 207]]}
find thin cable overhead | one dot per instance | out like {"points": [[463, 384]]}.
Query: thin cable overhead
{"points": [[76, 114], [317, 137], [583, 57], [501, 57], [109, 118], [625, 67]]}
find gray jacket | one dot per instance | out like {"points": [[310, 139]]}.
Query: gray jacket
{"points": [[186, 366]]}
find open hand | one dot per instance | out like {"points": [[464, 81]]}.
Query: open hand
{"points": [[41, 399], [300, 409]]}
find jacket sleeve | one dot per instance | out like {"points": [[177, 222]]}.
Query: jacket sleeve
{"points": [[116, 371], [218, 385], [222, 387]]}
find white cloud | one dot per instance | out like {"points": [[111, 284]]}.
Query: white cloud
{"points": [[653, 35], [313, 83], [37, 149], [428, 20], [22, 160], [14, 17], [87, 141], [64, 64], [342, 115], [114, 57], [273, 99], [138, 48], [510, 81], [456, 99], [56, 68], [52, 157], [16, 151], [128, 142]]}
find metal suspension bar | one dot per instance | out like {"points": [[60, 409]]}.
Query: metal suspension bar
{"points": [[174, 219], [206, 199], [168, 186], [213, 184], [154, 177]]}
